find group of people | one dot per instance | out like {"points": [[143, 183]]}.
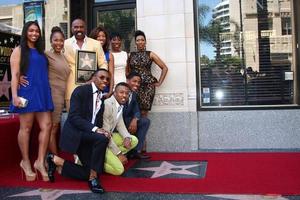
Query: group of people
{"points": [[107, 117]]}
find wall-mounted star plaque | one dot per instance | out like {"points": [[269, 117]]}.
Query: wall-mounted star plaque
{"points": [[86, 65]]}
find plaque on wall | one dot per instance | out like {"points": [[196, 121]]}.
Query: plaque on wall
{"points": [[34, 11], [86, 65]]}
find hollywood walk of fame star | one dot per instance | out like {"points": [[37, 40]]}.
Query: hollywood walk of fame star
{"points": [[87, 61], [166, 168], [4, 86], [49, 194], [248, 197]]}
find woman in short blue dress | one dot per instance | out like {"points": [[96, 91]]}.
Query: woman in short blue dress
{"points": [[29, 60]]}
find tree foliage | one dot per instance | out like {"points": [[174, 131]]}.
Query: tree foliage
{"points": [[120, 21]]}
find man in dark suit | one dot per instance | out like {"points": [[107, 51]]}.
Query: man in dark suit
{"points": [[135, 123], [83, 135]]}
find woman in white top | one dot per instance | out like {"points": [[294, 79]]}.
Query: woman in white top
{"points": [[120, 58]]}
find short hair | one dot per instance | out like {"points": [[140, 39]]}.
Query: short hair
{"points": [[139, 33], [78, 18], [122, 84], [100, 70], [96, 72], [133, 74], [115, 34]]}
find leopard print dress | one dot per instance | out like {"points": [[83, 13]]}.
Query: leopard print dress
{"points": [[141, 62]]}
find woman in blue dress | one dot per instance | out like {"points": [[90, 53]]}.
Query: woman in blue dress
{"points": [[29, 60]]}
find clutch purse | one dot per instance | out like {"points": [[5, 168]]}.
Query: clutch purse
{"points": [[24, 102]]}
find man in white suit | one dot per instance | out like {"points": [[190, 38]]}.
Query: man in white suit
{"points": [[79, 41], [121, 141]]}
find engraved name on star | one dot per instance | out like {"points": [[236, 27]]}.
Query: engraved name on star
{"points": [[87, 61], [49, 194], [166, 168]]}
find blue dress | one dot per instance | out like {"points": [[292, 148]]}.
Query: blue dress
{"points": [[38, 92], [106, 89]]}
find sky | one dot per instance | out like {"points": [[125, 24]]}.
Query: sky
{"points": [[208, 49], [9, 2]]}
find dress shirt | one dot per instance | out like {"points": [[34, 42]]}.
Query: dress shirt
{"points": [[119, 113], [75, 45], [95, 110]]}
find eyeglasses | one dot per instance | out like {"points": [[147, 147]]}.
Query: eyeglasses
{"points": [[104, 78]]}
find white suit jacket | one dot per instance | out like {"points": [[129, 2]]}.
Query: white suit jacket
{"points": [[70, 54]]}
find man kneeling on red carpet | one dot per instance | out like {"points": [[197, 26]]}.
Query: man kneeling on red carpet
{"points": [[83, 134], [121, 141]]}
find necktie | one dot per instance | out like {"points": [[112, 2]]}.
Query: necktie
{"points": [[118, 116], [97, 105], [98, 100], [130, 98], [120, 108]]}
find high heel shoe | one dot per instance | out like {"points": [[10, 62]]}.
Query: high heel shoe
{"points": [[41, 169], [29, 175], [51, 166]]}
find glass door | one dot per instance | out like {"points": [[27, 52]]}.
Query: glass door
{"points": [[117, 18]]}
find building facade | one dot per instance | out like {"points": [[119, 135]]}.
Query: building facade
{"points": [[217, 104], [227, 13]]}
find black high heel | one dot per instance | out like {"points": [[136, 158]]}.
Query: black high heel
{"points": [[51, 167]]}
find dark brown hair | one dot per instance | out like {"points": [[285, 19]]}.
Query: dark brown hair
{"points": [[94, 34]]}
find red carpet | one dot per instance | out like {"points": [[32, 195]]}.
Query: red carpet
{"points": [[227, 173]]}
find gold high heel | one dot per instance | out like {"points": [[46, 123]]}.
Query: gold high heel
{"points": [[29, 175], [42, 171]]}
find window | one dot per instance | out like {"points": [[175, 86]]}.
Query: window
{"points": [[286, 26], [64, 28], [248, 62], [117, 16]]}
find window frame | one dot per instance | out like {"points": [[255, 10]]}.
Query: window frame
{"points": [[109, 6], [295, 12]]}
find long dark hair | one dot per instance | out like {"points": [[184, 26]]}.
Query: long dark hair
{"points": [[94, 34], [39, 45]]}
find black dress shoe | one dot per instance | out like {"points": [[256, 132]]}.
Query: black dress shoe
{"points": [[141, 156], [95, 186], [51, 167]]}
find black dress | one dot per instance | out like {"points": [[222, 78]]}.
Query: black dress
{"points": [[141, 62]]}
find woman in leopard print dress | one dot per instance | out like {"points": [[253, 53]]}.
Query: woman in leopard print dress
{"points": [[140, 62]]}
